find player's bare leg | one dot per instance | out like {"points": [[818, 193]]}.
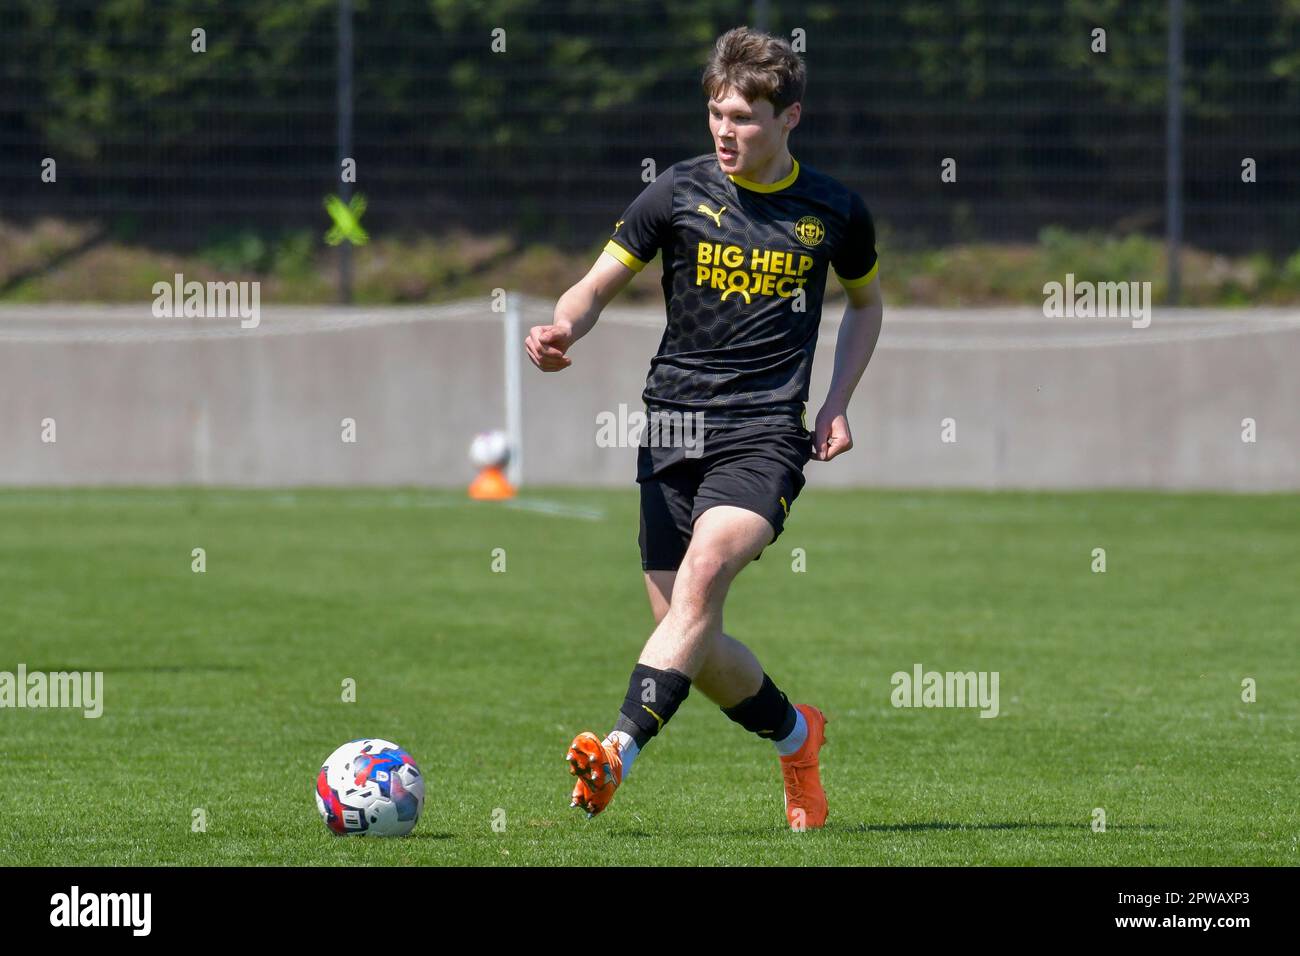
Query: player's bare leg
{"points": [[688, 645], [731, 677], [731, 673], [725, 539]]}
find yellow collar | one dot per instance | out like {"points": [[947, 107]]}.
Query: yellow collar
{"points": [[769, 187]]}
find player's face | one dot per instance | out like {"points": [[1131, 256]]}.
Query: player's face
{"points": [[746, 136]]}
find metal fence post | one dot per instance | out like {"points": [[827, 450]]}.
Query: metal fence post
{"points": [[345, 137], [1174, 152], [513, 390]]}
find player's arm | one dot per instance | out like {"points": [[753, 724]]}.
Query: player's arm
{"points": [[576, 312], [644, 229], [856, 343], [857, 265], [859, 331]]}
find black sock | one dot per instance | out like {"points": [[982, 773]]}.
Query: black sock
{"points": [[768, 713], [653, 696]]}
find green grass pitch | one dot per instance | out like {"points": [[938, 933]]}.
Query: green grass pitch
{"points": [[1119, 690]]}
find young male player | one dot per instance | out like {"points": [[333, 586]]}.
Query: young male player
{"points": [[747, 236]]}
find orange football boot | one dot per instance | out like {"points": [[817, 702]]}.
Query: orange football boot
{"points": [[599, 769], [805, 800]]}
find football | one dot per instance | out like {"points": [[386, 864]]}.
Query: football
{"points": [[370, 787], [490, 450]]}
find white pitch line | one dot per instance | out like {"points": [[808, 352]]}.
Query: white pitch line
{"points": [[556, 509], [261, 498]]}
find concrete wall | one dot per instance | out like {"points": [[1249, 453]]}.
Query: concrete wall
{"points": [[1038, 403]]}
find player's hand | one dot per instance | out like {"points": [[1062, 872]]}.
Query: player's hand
{"points": [[831, 434], [546, 345]]}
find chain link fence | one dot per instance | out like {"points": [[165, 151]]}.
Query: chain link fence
{"points": [[533, 119]]}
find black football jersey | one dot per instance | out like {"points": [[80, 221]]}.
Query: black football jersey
{"points": [[745, 269]]}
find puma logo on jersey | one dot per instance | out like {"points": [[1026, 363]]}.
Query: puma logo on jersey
{"points": [[715, 216], [619, 223]]}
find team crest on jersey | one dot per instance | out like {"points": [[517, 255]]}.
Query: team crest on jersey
{"points": [[809, 230]]}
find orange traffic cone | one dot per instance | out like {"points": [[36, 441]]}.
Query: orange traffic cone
{"points": [[491, 485]]}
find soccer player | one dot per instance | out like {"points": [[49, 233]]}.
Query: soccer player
{"points": [[747, 235]]}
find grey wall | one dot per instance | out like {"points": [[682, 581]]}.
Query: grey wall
{"points": [[1038, 403]]}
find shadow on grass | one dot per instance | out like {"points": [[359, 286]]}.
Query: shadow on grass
{"points": [[833, 828], [428, 836], [938, 825]]}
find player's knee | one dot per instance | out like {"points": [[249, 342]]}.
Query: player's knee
{"points": [[703, 570]]}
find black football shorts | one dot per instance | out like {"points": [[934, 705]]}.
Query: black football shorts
{"points": [[755, 467]]}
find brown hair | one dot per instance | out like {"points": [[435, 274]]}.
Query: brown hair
{"points": [[759, 66]]}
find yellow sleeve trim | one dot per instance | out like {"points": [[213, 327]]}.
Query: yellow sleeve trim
{"points": [[623, 256], [854, 283]]}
